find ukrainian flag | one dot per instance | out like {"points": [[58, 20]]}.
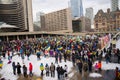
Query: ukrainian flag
{"points": [[60, 48], [58, 42], [47, 48], [1, 63]]}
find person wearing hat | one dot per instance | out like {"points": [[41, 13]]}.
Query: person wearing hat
{"points": [[47, 69], [41, 68]]}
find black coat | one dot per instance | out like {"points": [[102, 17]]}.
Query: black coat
{"points": [[24, 69], [18, 69], [62, 71], [14, 66], [58, 70], [79, 65]]}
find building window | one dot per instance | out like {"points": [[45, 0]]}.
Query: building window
{"points": [[103, 24], [96, 25]]}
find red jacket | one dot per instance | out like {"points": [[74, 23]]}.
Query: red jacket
{"points": [[30, 67], [116, 73]]}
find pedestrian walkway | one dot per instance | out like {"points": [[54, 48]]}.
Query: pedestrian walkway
{"points": [[109, 75], [29, 78], [106, 75]]}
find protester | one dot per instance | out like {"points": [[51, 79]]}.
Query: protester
{"points": [[66, 71], [24, 71], [96, 67], [56, 57], [52, 70], [85, 69], [65, 56], [60, 57], [116, 73], [1, 63], [47, 69], [58, 72], [14, 68], [38, 55], [18, 68], [90, 65], [62, 71], [99, 66], [30, 69], [41, 68], [73, 59]]}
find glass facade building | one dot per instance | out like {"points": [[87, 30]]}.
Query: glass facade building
{"points": [[76, 8]]}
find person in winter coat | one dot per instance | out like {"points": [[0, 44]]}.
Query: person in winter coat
{"points": [[52, 70], [99, 66], [73, 59], [42, 68], [18, 68], [56, 57], [1, 63], [66, 71], [62, 71], [118, 55], [96, 67], [107, 58], [38, 55], [117, 74], [14, 68], [90, 65], [79, 65], [85, 68], [47, 69], [30, 69], [24, 71], [65, 57], [58, 71], [60, 57]]}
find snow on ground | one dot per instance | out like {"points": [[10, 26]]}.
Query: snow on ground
{"points": [[7, 71], [94, 75], [109, 66], [71, 74]]}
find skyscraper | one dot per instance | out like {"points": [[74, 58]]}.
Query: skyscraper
{"points": [[89, 14], [76, 8], [114, 5], [17, 13]]}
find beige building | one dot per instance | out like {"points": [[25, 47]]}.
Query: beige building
{"points": [[86, 24], [17, 13], [57, 21], [107, 21]]}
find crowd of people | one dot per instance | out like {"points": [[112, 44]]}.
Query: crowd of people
{"points": [[82, 51]]}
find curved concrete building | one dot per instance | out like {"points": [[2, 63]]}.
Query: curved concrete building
{"points": [[17, 13]]}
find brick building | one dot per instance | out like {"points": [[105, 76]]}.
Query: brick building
{"points": [[107, 21]]}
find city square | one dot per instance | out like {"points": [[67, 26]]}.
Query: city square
{"points": [[60, 42]]}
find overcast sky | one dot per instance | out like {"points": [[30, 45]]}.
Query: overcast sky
{"points": [[47, 6]]}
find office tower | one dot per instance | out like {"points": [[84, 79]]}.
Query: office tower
{"points": [[17, 13], [114, 5], [57, 21], [76, 8], [89, 14]]}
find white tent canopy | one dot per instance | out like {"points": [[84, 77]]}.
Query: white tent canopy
{"points": [[4, 25]]}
